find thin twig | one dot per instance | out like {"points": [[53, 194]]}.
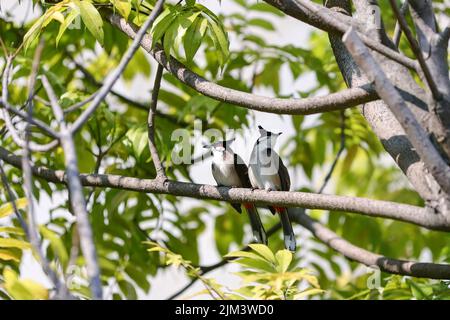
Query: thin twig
{"points": [[160, 172], [338, 154]]}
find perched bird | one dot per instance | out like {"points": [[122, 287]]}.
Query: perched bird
{"points": [[267, 171], [230, 170]]}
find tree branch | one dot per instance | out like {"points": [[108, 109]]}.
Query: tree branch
{"points": [[116, 73], [310, 13], [160, 172], [368, 207], [352, 252], [381, 119], [443, 134], [335, 101], [417, 135], [338, 154], [78, 202], [417, 52]]}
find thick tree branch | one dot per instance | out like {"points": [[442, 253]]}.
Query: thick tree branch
{"points": [[369, 207], [417, 135], [381, 119], [77, 200], [310, 12], [434, 48], [352, 252], [116, 73], [335, 101], [160, 172]]}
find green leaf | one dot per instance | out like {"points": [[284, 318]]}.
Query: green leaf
{"points": [[284, 258], [8, 255], [264, 251], [56, 244], [92, 19], [14, 243], [308, 292], [12, 230], [185, 21], [220, 40], [262, 23], [73, 14], [7, 208], [264, 7], [194, 36], [123, 6], [244, 254], [256, 264], [138, 137], [161, 24], [23, 289]]}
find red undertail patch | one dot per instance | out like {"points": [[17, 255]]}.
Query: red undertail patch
{"points": [[248, 205], [279, 209]]}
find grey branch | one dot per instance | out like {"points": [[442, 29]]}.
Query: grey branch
{"points": [[160, 173], [381, 119], [368, 207], [352, 252], [116, 73], [78, 202], [386, 90], [416, 49], [328, 20], [335, 101]]}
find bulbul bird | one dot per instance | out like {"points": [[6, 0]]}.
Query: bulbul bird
{"points": [[230, 170], [267, 171]]}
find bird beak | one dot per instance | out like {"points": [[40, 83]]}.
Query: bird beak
{"points": [[207, 146], [279, 133]]}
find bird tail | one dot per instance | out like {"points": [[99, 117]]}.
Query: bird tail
{"points": [[259, 234], [289, 236]]}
